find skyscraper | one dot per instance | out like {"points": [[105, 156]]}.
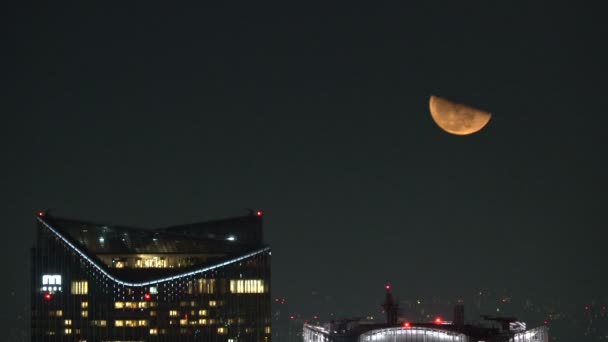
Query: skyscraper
{"points": [[207, 281]]}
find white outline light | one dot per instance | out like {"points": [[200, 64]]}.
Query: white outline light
{"points": [[152, 282]]}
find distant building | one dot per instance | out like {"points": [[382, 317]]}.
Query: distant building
{"points": [[395, 330], [207, 281]]}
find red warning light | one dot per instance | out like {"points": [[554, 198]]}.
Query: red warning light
{"points": [[259, 213], [47, 296], [147, 296], [291, 317], [407, 325], [40, 213], [387, 287], [438, 320]]}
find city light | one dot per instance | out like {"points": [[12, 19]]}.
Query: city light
{"points": [[438, 320], [47, 296], [147, 296], [259, 213], [156, 281], [407, 325]]}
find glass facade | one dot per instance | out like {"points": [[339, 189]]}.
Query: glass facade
{"points": [[222, 295]]}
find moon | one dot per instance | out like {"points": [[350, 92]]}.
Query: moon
{"points": [[456, 118]]}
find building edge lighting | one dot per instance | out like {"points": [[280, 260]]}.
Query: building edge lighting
{"points": [[152, 282]]}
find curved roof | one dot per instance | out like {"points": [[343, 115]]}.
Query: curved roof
{"points": [[133, 240], [412, 334]]}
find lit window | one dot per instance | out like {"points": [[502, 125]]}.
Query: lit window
{"points": [[202, 321], [267, 330], [131, 323], [153, 290], [183, 322], [212, 303], [221, 330], [153, 331], [202, 312], [205, 286], [99, 323], [119, 323], [59, 313], [84, 313], [173, 313], [152, 313], [84, 305], [119, 305], [68, 331], [142, 323], [67, 322], [151, 262], [247, 286], [80, 287]]}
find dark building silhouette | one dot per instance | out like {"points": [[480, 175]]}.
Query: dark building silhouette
{"points": [[391, 308], [207, 281]]}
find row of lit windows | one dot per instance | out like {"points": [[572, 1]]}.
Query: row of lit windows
{"points": [[153, 262], [247, 286], [84, 314], [131, 323], [80, 287], [99, 323], [134, 305], [202, 286], [201, 321], [175, 313], [155, 331], [55, 313]]}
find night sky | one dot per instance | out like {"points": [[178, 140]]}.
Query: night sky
{"points": [[153, 113]]}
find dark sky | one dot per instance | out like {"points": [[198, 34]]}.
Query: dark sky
{"points": [[155, 113]]}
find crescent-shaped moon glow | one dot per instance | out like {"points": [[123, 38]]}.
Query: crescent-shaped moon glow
{"points": [[457, 118]]}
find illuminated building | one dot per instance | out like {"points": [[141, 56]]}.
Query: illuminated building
{"points": [[437, 330], [207, 281]]}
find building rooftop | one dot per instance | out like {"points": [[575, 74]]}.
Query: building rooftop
{"points": [[146, 254]]}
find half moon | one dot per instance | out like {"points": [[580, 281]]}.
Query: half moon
{"points": [[456, 118]]}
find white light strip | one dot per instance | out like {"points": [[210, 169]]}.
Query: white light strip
{"points": [[152, 282]]}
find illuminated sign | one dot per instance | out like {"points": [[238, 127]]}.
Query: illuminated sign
{"points": [[51, 282]]}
